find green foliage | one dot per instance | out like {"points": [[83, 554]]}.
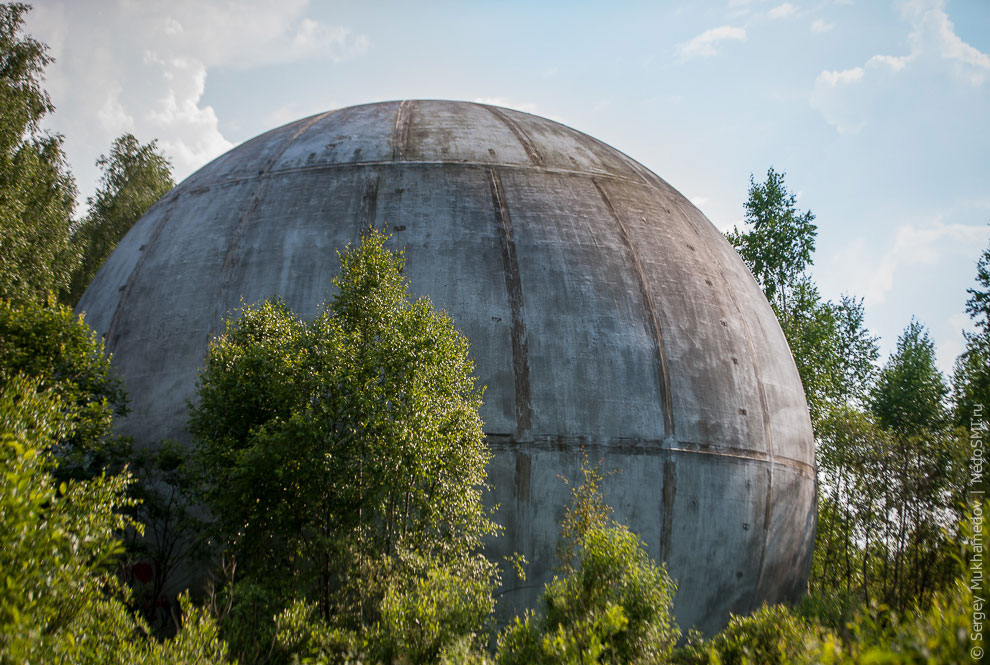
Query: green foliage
{"points": [[781, 240], [857, 351], [59, 599], [834, 632], [978, 304], [585, 512], [134, 177], [772, 635], [834, 352], [610, 604], [891, 471], [938, 633], [46, 341], [338, 453], [887, 501], [852, 462], [37, 192], [437, 610], [430, 616], [55, 535], [971, 383], [971, 374], [909, 397]]}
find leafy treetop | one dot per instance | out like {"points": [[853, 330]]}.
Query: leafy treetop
{"points": [[780, 244], [37, 192], [339, 452]]}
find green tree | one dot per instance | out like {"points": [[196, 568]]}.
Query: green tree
{"points": [[858, 352], [910, 394], [925, 474], [978, 304], [872, 633], [778, 247], [834, 352], [971, 373], [341, 454], [60, 600], [853, 458], [971, 382], [609, 602], [134, 177], [37, 192], [47, 342], [772, 635], [892, 479]]}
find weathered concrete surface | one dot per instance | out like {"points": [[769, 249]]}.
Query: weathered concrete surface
{"points": [[603, 310]]}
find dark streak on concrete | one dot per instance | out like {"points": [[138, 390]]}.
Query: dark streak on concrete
{"points": [[369, 203], [113, 332], [513, 285], [652, 320], [645, 447], [524, 469], [205, 185], [527, 143], [403, 120], [669, 490], [232, 259]]}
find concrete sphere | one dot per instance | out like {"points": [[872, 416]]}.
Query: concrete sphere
{"points": [[603, 309]]}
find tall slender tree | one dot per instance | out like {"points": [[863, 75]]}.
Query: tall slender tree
{"points": [[971, 374], [779, 245], [833, 350], [134, 177], [37, 192]]}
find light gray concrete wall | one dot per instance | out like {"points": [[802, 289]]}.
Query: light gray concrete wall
{"points": [[603, 309]]}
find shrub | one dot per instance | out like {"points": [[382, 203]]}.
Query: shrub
{"points": [[610, 603]]}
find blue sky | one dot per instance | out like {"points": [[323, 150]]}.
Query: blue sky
{"points": [[879, 112]]}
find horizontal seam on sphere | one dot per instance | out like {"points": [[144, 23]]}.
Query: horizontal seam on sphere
{"points": [[651, 447], [472, 164]]}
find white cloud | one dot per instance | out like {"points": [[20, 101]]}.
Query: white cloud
{"points": [[895, 63], [820, 25], [705, 43], [160, 95], [844, 77], [934, 35], [913, 246], [843, 97], [782, 11]]}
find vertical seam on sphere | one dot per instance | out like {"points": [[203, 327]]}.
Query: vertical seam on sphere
{"points": [[513, 286], [527, 143], [112, 330], [231, 259], [400, 136], [669, 494], [651, 317]]}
